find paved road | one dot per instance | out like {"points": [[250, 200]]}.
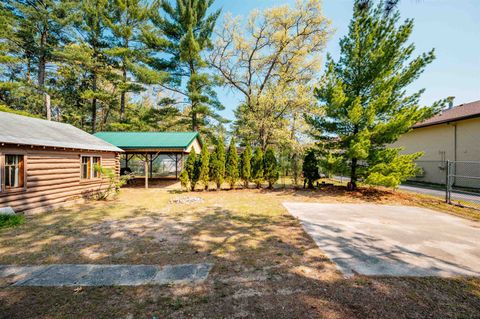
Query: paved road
{"points": [[392, 240], [423, 190], [455, 196], [409, 188]]}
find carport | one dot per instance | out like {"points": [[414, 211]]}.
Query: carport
{"points": [[148, 146]]}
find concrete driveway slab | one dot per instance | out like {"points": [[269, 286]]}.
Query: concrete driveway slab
{"points": [[105, 275], [373, 239]]}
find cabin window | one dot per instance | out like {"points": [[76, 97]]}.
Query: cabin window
{"points": [[14, 171], [88, 167], [96, 163]]}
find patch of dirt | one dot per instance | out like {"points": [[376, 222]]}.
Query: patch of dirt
{"points": [[186, 200]]}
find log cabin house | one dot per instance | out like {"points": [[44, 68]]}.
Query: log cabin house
{"points": [[45, 164]]}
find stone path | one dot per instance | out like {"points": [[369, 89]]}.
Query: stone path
{"points": [[104, 275]]}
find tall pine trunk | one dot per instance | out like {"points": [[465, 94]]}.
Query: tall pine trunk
{"points": [[194, 119], [353, 174], [193, 91], [41, 71], [42, 63], [353, 169], [123, 95], [94, 104], [29, 69]]}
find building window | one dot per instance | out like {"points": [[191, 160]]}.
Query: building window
{"points": [[14, 171], [88, 167], [95, 166]]}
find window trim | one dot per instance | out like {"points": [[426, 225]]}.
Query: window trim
{"points": [[92, 169], [3, 188]]}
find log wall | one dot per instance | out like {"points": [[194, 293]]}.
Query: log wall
{"points": [[52, 176]]}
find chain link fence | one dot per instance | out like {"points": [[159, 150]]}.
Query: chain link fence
{"points": [[463, 184], [459, 179]]}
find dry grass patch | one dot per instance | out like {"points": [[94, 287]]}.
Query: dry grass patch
{"points": [[266, 266]]}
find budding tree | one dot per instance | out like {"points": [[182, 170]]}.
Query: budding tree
{"points": [[271, 62]]}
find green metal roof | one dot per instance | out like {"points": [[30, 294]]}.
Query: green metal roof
{"points": [[132, 140]]}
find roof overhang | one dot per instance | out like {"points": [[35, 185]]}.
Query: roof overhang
{"points": [[140, 150], [59, 147], [27, 131], [447, 121]]}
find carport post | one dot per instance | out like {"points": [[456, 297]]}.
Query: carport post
{"points": [[146, 170], [151, 165], [176, 166]]}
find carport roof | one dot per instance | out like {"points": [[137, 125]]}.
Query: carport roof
{"points": [[146, 140]]}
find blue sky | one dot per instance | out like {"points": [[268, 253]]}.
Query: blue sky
{"points": [[452, 27]]}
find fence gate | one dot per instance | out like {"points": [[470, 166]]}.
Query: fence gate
{"points": [[463, 183]]}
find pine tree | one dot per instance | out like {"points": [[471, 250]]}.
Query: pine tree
{"points": [[125, 19], [257, 167], [39, 29], [231, 166], [331, 164], [390, 169], [310, 168], [184, 180], [212, 173], [389, 5], [270, 167], [363, 95], [246, 171], [12, 59], [193, 168], [204, 166], [183, 32], [217, 163], [90, 54]]}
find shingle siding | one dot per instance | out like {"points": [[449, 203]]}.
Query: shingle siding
{"points": [[460, 112], [18, 129]]}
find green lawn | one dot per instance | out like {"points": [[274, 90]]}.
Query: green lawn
{"points": [[11, 220]]}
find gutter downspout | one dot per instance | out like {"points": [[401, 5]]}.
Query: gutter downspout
{"points": [[455, 142], [454, 152]]}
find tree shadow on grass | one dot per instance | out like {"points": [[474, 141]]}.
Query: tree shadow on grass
{"points": [[265, 266]]}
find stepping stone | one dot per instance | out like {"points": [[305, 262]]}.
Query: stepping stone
{"points": [[106, 275], [7, 211]]}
